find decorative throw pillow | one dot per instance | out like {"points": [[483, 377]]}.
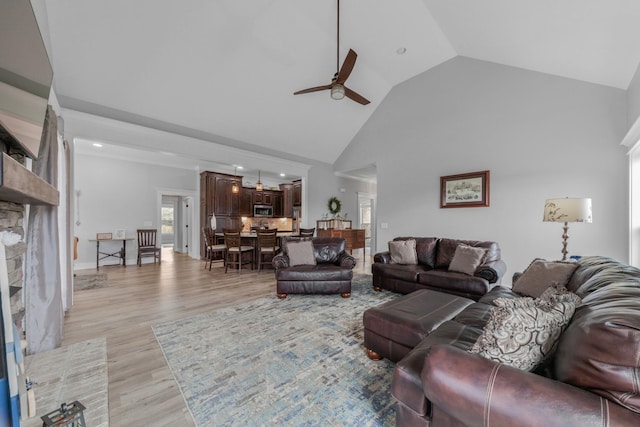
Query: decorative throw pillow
{"points": [[522, 332], [467, 259], [301, 253], [559, 293], [403, 252], [541, 274]]}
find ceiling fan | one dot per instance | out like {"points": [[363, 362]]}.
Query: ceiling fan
{"points": [[337, 87]]}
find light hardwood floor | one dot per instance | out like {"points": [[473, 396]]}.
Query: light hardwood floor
{"points": [[142, 390]]}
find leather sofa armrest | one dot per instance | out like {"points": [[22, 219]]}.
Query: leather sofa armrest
{"points": [[346, 260], [382, 257], [280, 261], [492, 271], [480, 392]]}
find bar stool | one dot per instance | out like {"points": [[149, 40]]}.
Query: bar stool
{"points": [[267, 245], [235, 249], [307, 232], [211, 248]]}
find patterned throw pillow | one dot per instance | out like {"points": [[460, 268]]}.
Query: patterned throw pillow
{"points": [[559, 293], [541, 274], [403, 252], [522, 332], [301, 253], [467, 259]]}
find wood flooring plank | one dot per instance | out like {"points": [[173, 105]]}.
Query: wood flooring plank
{"points": [[142, 390]]}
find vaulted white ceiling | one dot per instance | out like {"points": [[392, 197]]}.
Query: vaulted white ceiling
{"points": [[225, 70]]}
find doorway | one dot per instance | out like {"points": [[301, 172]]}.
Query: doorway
{"points": [[366, 217], [175, 216]]}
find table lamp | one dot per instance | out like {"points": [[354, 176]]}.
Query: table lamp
{"points": [[567, 210]]}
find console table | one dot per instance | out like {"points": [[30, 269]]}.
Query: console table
{"points": [[355, 238], [120, 254]]}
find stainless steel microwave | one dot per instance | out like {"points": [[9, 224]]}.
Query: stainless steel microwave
{"points": [[264, 211]]}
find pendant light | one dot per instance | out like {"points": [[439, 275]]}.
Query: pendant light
{"points": [[258, 184], [235, 188]]}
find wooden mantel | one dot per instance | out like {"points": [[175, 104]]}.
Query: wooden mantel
{"points": [[19, 185]]}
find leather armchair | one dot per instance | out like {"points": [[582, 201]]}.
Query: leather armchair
{"points": [[331, 274]]}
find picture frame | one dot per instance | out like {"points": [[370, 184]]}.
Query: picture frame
{"points": [[120, 234], [466, 190], [103, 236]]}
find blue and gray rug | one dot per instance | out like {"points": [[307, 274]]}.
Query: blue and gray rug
{"points": [[293, 362]]}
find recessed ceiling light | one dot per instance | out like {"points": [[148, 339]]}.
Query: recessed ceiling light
{"points": [[96, 144], [282, 175], [239, 167], [401, 50]]}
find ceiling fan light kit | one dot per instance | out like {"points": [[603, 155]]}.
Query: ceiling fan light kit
{"points": [[337, 87], [337, 92]]}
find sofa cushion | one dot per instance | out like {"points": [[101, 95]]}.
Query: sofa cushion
{"points": [[600, 350], [450, 281], [301, 253], [425, 249], [541, 274], [403, 252], [320, 272], [447, 249], [522, 332], [398, 271], [467, 259]]}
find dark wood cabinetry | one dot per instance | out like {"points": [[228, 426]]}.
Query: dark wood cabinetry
{"points": [[297, 193], [278, 210], [246, 202], [287, 200], [216, 197], [264, 197]]}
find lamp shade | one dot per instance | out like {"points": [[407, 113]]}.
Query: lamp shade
{"points": [[567, 210]]}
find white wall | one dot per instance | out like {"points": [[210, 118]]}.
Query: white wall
{"points": [[322, 184], [116, 194], [540, 136], [633, 98]]}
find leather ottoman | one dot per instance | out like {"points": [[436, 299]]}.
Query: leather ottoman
{"points": [[392, 329]]}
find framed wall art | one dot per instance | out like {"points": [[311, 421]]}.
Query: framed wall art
{"points": [[466, 190]]}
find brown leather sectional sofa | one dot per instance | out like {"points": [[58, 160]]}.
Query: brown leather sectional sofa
{"points": [[593, 378], [434, 256]]}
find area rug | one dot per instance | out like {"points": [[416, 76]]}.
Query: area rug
{"points": [[73, 372], [292, 362], [89, 280]]}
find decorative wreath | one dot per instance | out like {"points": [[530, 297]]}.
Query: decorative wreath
{"points": [[334, 205]]}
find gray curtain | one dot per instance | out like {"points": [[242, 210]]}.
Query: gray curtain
{"points": [[43, 295]]}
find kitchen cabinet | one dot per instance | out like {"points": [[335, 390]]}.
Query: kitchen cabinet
{"points": [[246, 201], [263, 197], [278, 207], [217, 198], [297, 193], [287, 200]]}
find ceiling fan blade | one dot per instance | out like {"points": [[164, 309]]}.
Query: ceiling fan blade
{"points": [[347, 67], [355, 96], [312, 89]]}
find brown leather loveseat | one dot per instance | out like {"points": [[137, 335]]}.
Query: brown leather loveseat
{"points": [[330, 271], [434, 256], [592, 379]]}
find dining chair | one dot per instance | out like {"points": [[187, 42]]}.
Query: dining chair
{"points": [[147, 245], [307, 232], [211, 248], [235, 249], [267, 246]]}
